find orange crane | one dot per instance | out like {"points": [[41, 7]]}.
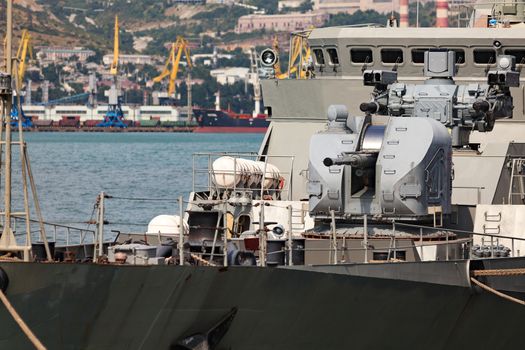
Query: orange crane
{"points": [[179, 47]]}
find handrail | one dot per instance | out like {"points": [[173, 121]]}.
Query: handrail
{"points": [[71, 236], [57, 225], [460, 231]]}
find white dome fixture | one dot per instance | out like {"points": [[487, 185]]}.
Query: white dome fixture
{"points": [[165, 225]]}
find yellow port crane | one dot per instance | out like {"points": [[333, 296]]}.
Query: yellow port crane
{"points": [[298, 59], [179, 47], [114, 65], [21, 56], [277, 66], [114, 115]]}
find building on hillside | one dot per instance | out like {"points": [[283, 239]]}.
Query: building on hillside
{"points": [[351, 6], [229, 76], [187, 2], [281, 23], [124, 59], [57, 53]]}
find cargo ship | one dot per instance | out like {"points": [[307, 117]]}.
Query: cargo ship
{"points": [[221, 121]]}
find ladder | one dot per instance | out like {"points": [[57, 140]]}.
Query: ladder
{"points": [[517, 181]]}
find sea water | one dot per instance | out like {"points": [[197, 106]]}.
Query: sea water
{"points": [[71, 169]]}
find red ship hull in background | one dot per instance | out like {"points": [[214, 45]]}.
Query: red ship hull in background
{"points": [[213, 121]]}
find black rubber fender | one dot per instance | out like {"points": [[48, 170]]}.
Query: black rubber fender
{"points": [[4, 280]]}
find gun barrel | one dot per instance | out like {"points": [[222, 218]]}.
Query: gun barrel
{"points": [[356, 160]]}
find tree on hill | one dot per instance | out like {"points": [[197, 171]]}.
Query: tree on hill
{"points": [[306, 6], [269, 6]]}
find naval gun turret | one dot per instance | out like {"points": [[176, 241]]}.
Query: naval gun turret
{"points": [[396, 161], [461, 108]]}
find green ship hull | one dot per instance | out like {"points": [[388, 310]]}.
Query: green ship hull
{"points": [[372, 306]]}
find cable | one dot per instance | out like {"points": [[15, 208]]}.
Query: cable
{"points": [[23, 326], [127, 223], [498, 293], [95, 206], [143, 199]]}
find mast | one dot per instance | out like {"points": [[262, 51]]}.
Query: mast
{"points": [[7, 240]]}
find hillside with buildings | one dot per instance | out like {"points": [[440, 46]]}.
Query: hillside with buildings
{"points": [[72, 39]]}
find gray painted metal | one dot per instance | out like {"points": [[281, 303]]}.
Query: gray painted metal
{"points": [[305, 102], [410, 170]]}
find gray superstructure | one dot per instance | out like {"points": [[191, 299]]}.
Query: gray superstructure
{"points": [[298, 106]]}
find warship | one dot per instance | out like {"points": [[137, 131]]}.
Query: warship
{"points": [[383, 210]]}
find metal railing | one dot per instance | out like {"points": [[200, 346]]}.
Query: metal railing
{"points": [[62, 235], [494, 239]]}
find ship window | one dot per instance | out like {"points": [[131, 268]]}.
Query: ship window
{"points": [[484, 56], [460, 55], [383, 256], [332, 54], [418, 55], [361, 55], [519, 54], [319, 57], [392, 56]]}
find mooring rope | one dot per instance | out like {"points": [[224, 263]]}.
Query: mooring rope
{"points": [[500, 294], [499, 272], [30, 335], [199, 259]]}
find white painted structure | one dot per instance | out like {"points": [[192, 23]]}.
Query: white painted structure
{"points": [[229, 76], [501, 220], [135, 113], [165, 225]]}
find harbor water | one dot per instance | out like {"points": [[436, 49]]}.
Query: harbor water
{"points": [[71, 169]]}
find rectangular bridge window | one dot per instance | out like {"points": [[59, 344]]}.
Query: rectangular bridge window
{"points": [[484, 56], [319, 56], [460, 55], [418, 55], [361, 55], [519, 54], [392, 56], [332, 54]]}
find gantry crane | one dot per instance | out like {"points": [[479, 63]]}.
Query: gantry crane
{"points": [[277, 65], [298, 59], [19, 71], [179, 47], [114, 115]]}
